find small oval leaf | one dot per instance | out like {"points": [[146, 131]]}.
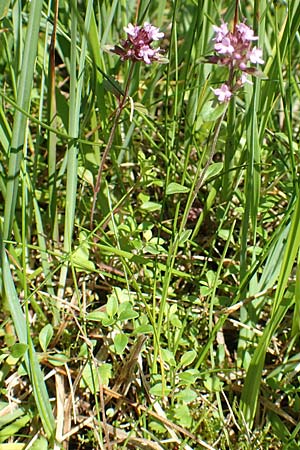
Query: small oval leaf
{"points": [[45, 336], [175, 188], [187, 358], [186, 395], [18, 350], [213, 170], [59, 359], [210, 112], [151, 206], [120, 342], [112, 306], [159, 390], [97, 316], [183, 237], [144, 329]]}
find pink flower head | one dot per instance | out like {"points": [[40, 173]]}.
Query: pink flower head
{"points": [[220, 31], [137, 46], [246, 33], [153, 32], [224, 47], [223, 93], [244, 79], [132, 30], [234, 50], [148, 54], [255, 55]]}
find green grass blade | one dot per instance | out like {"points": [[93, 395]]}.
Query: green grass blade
{"points": [[20, 121], [280, 306], [33, 368], [76, 86]]}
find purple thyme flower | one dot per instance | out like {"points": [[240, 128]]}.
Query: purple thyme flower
{"points": [[223, 93], [246, 32], [221, 31], [224, 47], [234, 49], [244, 79], [132, 30], [254, 55], [153, 32], [137, 46], [147, 53]]}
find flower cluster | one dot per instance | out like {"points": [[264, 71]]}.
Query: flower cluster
{"points": [[137, 46], [235, 50]]}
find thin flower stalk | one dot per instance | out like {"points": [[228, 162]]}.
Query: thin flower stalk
{"points": [[109, 145], [136, 48]]}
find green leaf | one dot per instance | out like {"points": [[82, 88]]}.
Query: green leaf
{"points": [[213, 170], [31, 360], [189, 376], [81, 256], [86, 175], [120, 342], [157, 427], [45, 336], [92, 376], [151, 206], [159, 390], [154, 249], [100, 316], [186, 395], [20, 121], [11, 423], [213, 384], [187, 358], [144, 329], [211, 112], [112, 306], [108, 322], [168, 357], [126, 312], [279, 428], [58, 359], [175, 188], [105, 373], [175, 321], [97, 316], [184, 237], [40, 444], [80, 260], [183, 415], [18, 350], [4, 5], [280, 306]]}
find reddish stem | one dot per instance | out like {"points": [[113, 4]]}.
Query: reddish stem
{"points": [[236, 15], [109, 144]]}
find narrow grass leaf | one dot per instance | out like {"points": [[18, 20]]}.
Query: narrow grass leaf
{"points": [[20, 120], [280, 306], [33, 368]]}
